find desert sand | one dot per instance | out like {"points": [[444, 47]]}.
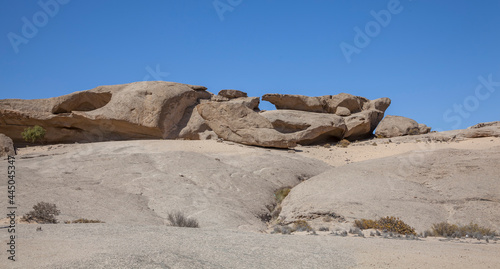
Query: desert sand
{"points": [[133, 185]]}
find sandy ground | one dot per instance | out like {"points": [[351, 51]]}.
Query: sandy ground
{"points": [[362, 151], [125, 246], [332, 155], [111, 245]]}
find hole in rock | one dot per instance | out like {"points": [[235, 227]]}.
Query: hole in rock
{"points": [[83, 101]]}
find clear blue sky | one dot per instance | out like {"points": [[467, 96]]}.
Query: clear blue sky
{"points": [[427, 58]]}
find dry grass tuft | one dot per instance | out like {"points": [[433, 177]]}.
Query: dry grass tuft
{"points": [[446, 229], [84, 221], [178, 219], [344, 143]]}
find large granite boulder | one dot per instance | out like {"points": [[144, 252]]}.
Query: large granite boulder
{"points": [[306, 127], [392, 126], [238, 123], [6, 146], [140, 110], [277, 128]]}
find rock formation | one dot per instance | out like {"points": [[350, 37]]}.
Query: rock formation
{"points": [[168, 110], [6, 146], [360, 115], [392, 126], [231, 94], [485, 124], [238, 123], [141, 110], [488, 129]]}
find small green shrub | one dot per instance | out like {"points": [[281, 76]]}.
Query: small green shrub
{"points": [[344, 143], [281, 194], [390, 224], [178, 219], [42, 213], [34, 134]]}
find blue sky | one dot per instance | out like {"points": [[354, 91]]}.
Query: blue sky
{"points": [[439, 61]]}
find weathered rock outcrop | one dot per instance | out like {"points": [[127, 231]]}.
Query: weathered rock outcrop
{"points": [[342, 104], [238, 123], [168, 110], [479, 130], [250, 102], [360, 115], [485, 124], [296, 102], [237, 97], [392, 126], [141, 110], [306, 127], [231, 94], [6, 146]]}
